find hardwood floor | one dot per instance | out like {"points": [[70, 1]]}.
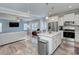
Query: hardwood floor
{"points": [[19, 48], [65, 49], [27, 48], [68, 48]]}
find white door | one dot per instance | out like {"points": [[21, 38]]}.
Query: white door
{"points": [[0, 27]]}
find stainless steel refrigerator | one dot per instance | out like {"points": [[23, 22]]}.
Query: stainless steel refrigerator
{"points": [[53, 26]]}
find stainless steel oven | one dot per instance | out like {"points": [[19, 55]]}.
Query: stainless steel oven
{"points": [[69, 33], [69, 29]]}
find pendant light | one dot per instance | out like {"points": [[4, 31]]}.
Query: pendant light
{"points": [[18, 18]]}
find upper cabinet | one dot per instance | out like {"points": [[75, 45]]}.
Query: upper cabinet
{"points": [[60, 21], [69, 17], [77, 19]]}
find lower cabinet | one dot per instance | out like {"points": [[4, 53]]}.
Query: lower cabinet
{"points": [[77, 37], [6, 38], [47, 45], [57, 40], [54, 43]]}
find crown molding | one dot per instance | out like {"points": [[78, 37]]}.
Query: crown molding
{"points": [[19, 13], [13, 12], [75, 11]]}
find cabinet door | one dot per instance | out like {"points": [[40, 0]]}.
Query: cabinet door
{"points": [[58, 39], [61, 34], [54, 42], [60, 21], [77, 37], [77, 19], [69, 17]]}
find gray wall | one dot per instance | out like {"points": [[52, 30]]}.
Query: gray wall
{"points": [[6, 28]]}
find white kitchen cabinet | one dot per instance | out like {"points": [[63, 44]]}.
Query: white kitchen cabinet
{"points": [[77, 19], [60, 21], [58, 39], [6, 38], [69, 17], [77, 34], [61, 34], [77, 37], [54, 43], [53, 39]]}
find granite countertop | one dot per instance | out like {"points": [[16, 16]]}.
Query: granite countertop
{"points": [[47, 34]]}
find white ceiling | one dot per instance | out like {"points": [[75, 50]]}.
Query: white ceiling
{"points": [[40, 9]]}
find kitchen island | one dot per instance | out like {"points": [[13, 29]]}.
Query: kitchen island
{"points": [[53, 40], [6, 38]]}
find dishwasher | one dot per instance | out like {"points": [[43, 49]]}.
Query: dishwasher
{"points": [[42, 47]]}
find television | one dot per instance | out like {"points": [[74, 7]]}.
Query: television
{"points": [[13, 24]]}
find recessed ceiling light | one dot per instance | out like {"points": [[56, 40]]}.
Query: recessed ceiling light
{"points": [[69, 6]]}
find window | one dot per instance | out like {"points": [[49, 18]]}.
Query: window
{"points": [[25, 26], [43, 25], [0, 27], [35, 25]]}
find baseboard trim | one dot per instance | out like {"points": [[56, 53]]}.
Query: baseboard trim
{"points": [[11, 42]]}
